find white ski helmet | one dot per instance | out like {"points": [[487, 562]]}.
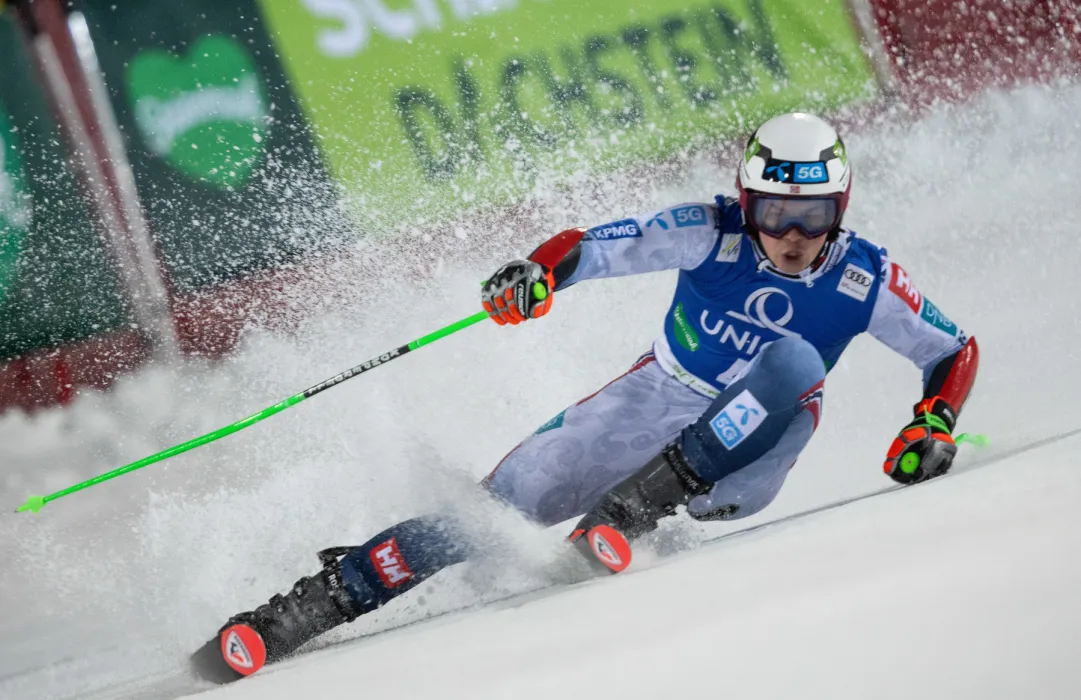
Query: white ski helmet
{"points": [[794, 174]]}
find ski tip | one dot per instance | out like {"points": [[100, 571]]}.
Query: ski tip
{"points": [[242, 649], [610, 547]]}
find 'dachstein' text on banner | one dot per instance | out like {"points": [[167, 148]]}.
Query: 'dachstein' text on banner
{"points": [[426, 106]]}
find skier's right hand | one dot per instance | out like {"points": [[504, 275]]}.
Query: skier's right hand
{"points": [[518, 291]]}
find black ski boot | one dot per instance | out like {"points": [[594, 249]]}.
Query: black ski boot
{"points": [[249, 640], [633, 507]]}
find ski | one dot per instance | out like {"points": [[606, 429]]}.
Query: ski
{"points": [[238, 651]]}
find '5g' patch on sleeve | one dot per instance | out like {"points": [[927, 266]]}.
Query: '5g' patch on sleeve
{"points": [[689, 216]]}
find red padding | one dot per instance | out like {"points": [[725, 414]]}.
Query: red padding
{"points": [[552, 251], [962, 375]]}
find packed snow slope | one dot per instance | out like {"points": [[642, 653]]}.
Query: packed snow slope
{"points": [[960, 588], [965, 588]]}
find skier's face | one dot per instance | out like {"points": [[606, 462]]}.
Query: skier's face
{"points": [[793, 252]]}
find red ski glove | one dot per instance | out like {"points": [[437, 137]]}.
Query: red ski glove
{"points": [[925, 448]]}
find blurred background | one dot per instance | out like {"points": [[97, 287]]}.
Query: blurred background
{"points": [[208, 206], [173, 173]]}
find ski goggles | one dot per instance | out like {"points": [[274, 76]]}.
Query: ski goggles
{"points": [[776, 215]]}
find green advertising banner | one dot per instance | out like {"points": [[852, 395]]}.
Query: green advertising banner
{"points": [[16, 203], [57, 284], [222, 158], [424, 106]]}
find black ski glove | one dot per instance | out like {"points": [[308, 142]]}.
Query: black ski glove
{"points": [[518, 291], [925, 447]]}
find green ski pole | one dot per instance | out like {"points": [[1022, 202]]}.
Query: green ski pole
{"points": [[36, 503]]}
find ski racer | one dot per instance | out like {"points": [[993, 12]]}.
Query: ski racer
{"points": [[771, 290]]}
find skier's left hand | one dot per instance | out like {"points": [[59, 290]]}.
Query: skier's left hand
{"points": [[925, 447]]}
